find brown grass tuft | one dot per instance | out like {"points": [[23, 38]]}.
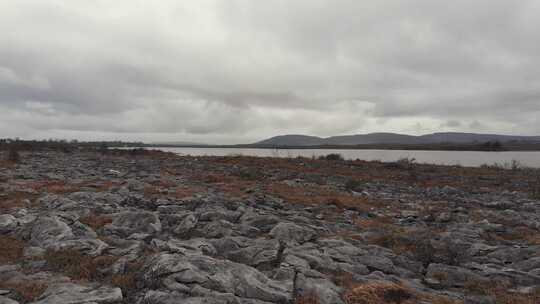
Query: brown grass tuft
{"points": [[307, 298], [501, 294], [316, 195], [27, 291], [379, 293], [11, 249], [77, 265], [126, 282]]}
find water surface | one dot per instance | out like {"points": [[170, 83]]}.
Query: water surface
{"points": [[464, 158]]}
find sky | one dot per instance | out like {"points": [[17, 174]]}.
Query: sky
{"points": [[239, 71]]}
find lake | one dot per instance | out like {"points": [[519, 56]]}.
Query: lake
{"points": [[463, 158]]}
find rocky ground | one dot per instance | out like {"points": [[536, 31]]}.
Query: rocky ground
{"points": [[154, 228]]}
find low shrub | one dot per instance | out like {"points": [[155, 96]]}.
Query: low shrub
{"points": [[406, 163], [331, 156], [353, 185]]}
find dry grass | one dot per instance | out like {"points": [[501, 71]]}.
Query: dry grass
{"points": [[26, 291], [398, 239], [307, 298], [11, 249], [315, 195], [77, 265], [522, 234], [379, 293], [15, 199], [62, 187], [126, 282], [500, 293], [5, 164]]}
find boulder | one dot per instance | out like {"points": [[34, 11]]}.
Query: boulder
{"points": [[49, 230], [220, 276], [186, 225], [134, 222], [252, 252], [440, 275], [7, 223], [326, 291], [292, 234]]}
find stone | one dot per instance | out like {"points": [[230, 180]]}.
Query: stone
{"points": [[326, 291], [292, 234], [219, 275], [129, 222], [7, 223], [440, 275], [6, 300], [49, 230], [186, 225], [71, 293], [252, 252]]}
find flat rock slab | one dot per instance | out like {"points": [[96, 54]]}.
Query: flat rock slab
{"points": [[69, 293]]}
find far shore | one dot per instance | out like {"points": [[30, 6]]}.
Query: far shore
{"points": [[511, 146]]}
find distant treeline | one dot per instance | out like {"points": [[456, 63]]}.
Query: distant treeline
{"points": [[62, 145]]}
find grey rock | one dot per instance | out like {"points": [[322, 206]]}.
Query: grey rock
{"points": [[381, 263], [70, 293], [159, 297], [47, 231], [326, 291], [253, 252], [6, 300], [186, 225], [263, 223], [527, 265], [129, 222], [7, 223], [219, 275], [440, 275], [217, 229], [191, 246], [479, 300], [88, 246], [292, 234], [33, 252]]}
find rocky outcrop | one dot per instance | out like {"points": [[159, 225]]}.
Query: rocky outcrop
{"points": [[163, 230], [70, 293]]}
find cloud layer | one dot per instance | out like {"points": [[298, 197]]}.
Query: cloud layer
{"points": [[241, 70]]}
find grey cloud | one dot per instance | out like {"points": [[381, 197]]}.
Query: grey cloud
{"points": [[242, 70]]}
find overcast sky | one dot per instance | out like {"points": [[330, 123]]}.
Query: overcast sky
{"points": [[242, 70]]}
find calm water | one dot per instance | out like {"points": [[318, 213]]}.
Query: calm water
{"points": [[464, 158]]}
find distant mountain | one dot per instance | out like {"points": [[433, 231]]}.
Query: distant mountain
{"points": [[292, 140], [392, 138]]}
